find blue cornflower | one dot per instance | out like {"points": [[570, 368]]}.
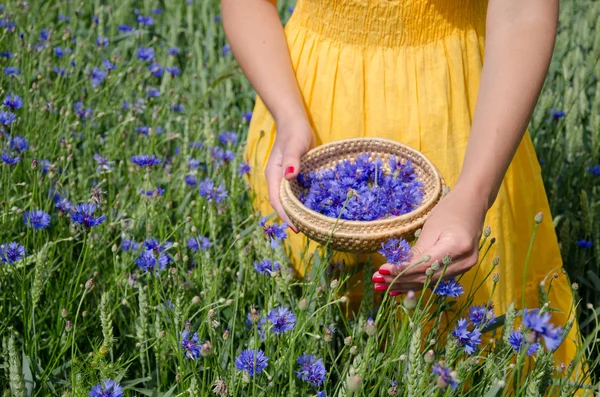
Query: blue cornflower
{"points": [[146, 160], [44, 35], [36, 219], [12, 71], [110, 389], [62, 205], [84, 215], [143, 129], [198, 243], [59, 52], [517, 341], [177, 107], [103, 163], [156, 70], [98, 75], [252, 361], [208, 190], [191, 345], [226, 50], [446, 376], [557, 114], [244, 169], [13, 101], [395, 251], [283, 320], [196, 145], [7, 118], [469, 339], [108, 65], [148, 261], [157, 11], [63, 17], [11, 252], [312, 370], [247, 116], [102, 41], [594, 170], [128, 245], [585, 243], [150, 193], [10, 159], [539, 324], [191, 180], [322, 393], [174, 71], [82, 112], [60, 71], [95, 19], [274, 232], [266, 266], [125, 28], [145, 20], [146, 54], [173, 51], [193, 163], [6, 54], [153, 92], [217, 19], [228, 137], [18, 144], [448, 288], [481, 315]]}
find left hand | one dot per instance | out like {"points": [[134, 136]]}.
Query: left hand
{"points": [[453, 228]]}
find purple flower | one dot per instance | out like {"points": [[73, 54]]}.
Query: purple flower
{"points": [[517, 341], [312, 370], [12, 71], [143, 129], [84, 215], [6, 54], [539, 324], [283, 320], [7, 118], [191, 180], [247, 117], [145, 21], [146, 54], [110, 389], [198, 243], [557, 114], [14, 102], [174, 71], [149, 262], [177, 107], [11, 252], [18, 144], [585, 243], [469, 339], [228, 137], [60, 71], [173, 51], [196, 145], [274, 232], [266, 267], [208, 190], [98, 75], [594, 170], [125, 28], [44, 35], [481, 315], [156, 70], [155, 192], [128, 245], [103, 163], [146, 160], [252, 361], [102, 41], [448, 288], [58, 51], [84, 114], [244, 169], [153, 92], [226, 50], [446, 376], [108, 65], [191, 345], [36, 219], [62, 205], [10, 159], [395, 251], [157, 11]]}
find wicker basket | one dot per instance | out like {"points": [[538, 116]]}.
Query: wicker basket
{"points": [[360, 236]]}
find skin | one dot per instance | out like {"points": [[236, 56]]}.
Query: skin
{"points": [[520, 36]]}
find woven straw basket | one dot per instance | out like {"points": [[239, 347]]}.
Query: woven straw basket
{"points": [[360, 236]]}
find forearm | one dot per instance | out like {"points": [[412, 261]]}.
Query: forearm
{"points": [[258, 42], [519, 44]]}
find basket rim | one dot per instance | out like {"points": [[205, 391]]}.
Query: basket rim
{"points": [[286, 189]]}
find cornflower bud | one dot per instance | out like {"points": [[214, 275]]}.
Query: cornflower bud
{"points": [[354, 383], [334, 284], [495, 261], [539, 217], [64, 313], [410, 301], [354, 350], [575, 286], [303, 304], [89, 284], [226, 334], [435, 266], [495, 277], [446, 260], [487, 231], [206, 349], [68, 326], [84, 313], [195, 300], [348, 340], [370, 327], [429, 357]]}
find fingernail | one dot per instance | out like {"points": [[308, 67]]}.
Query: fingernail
{"points": [[378, 279], [289, 170], [394, 293], [294, 229], [385, 272], [380, 287]]}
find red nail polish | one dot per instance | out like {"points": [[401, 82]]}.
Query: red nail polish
{"points": [[380, 287], [394, 293], [289, 170], [378, 279], [294, 229], [385, 272]]}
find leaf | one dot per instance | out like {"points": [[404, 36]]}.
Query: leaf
{"points": [[170, 392], [133, 382], [594, 279], [27, 375], [496, 324], [493, 391]]}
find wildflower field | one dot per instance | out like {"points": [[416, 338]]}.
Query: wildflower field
{"points": [[133, 264]]}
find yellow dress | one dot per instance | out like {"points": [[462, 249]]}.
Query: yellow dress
{"points": [[409, 70]]}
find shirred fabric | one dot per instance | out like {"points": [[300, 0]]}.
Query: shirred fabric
{"points": [[409, 70]]}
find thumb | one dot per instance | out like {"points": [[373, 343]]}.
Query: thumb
{"points": [[291, 164]]}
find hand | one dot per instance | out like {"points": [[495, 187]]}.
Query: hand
{"points": [[293, 139], [453, 228]]}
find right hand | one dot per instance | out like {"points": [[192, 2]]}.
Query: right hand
{"points": [[293, 139]]}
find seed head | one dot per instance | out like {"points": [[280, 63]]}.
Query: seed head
{"points": [[354, 350], [575, 286], [334, 284], [89, 284], [495, 277], [487, 231], [195, 300], [410, 301], [446, 260], [206, 349], [435, 266], [429, 357], [495, 261], [539, 217], [64, 313], [353, 383], [348, 340], [303, 304]]}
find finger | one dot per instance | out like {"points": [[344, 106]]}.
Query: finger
{"points": [[427, 239], [398, 287], [444, 247], [273, 175], [291, 164]]}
